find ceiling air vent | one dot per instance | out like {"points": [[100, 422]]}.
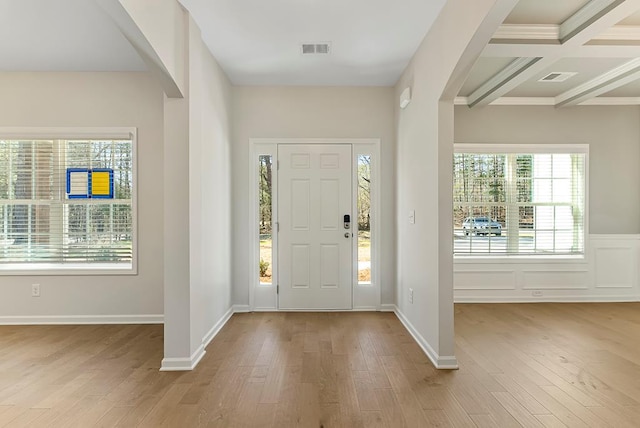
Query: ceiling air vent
{"points": [[316, 48], [557, 76]]}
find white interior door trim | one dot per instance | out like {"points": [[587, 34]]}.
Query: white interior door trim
{"points": [[366, 297]]}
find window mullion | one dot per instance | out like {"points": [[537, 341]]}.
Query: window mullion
{"points": [[513, 212], [577, 189], [56, 216]]}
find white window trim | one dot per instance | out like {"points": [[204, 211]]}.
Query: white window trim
{"points": [[530, 149], [260, 148], [269, 146], [371, 150], [74, 269]]}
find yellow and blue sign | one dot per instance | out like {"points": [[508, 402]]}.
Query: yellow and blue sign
{"points": [[85, 183]]}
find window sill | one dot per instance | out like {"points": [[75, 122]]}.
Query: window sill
{"points": [[41, 269], [520, 259]]}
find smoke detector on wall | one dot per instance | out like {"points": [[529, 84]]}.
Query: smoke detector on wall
{"points": [[557, 76], [316, 48]]}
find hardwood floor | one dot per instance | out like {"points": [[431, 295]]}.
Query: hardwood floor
{"points": [[532, 365]]}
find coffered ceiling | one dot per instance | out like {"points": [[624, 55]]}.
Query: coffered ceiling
{"points": [[596, 44]]}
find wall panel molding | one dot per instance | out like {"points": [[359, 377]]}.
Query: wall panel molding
{"points": [[608, 273]]}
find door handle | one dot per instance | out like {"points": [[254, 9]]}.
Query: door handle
{"points": [[346, 235]]}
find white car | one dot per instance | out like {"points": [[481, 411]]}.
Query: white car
{"points": [[481, 226]]}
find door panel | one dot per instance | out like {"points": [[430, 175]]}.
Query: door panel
{"points": [[315, 260]]}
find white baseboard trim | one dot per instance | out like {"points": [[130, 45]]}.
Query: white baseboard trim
{"points": [[364, 309], [183, 364], [265, 309], [386, 307], [240, 309], [217, 327], [448, 362], [186, 364], [81, 319], [560, 299]]}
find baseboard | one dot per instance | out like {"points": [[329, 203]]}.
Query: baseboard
{"points": [[559, 299], [183, 364], [265, 309], [440, 362], [217, 327], [365, 309], [81, 319], [386, 307], [186, 364], [240, 309]]}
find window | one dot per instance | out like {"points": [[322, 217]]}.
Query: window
{"points": [[41, 227], [519, 201], [364, 219], [265, 217]]}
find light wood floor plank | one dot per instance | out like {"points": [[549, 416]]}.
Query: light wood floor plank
{"points": [[550, 365]]}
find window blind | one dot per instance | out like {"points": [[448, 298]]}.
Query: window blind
{"points": [[519, 203], [39, 224]]}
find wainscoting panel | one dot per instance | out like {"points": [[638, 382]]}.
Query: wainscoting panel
{"points": [[486, 280], [555, 279], [608, 272], [615, 267]]}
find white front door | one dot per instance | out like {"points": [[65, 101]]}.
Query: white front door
{"points": [[314, 256]]}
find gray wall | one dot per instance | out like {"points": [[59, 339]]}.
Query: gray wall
{"points": [[613, 135]]}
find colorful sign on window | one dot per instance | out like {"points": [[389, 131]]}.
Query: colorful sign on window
{"points": [[85, 183]]}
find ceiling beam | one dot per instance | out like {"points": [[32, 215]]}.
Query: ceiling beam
{"points": [[602, 84], [537, 32], [491, 21], [593, 19], [545, 34], [551, 101], [512, 50], [141, 43], [587, 17], [510, 72]]}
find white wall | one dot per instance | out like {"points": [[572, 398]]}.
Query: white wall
{"points": [[197, 223], [311, 112], [424, 165], [210, 195], [609, 270], [94, 100]]}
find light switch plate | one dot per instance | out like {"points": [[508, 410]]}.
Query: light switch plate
{"points": [[412, 217]]}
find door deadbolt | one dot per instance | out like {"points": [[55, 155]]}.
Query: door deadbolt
{"points": [[347, 222]]}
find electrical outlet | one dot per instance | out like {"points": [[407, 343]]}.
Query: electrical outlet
{"points": [[35, 290], [536, 293], [411, 295]]}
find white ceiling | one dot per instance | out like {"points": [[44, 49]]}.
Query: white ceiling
{"points": [[603, 49], [62, 35], [257, 42]]}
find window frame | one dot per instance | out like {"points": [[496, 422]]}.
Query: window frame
{"points": [[78, 133], [530, 148]]}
